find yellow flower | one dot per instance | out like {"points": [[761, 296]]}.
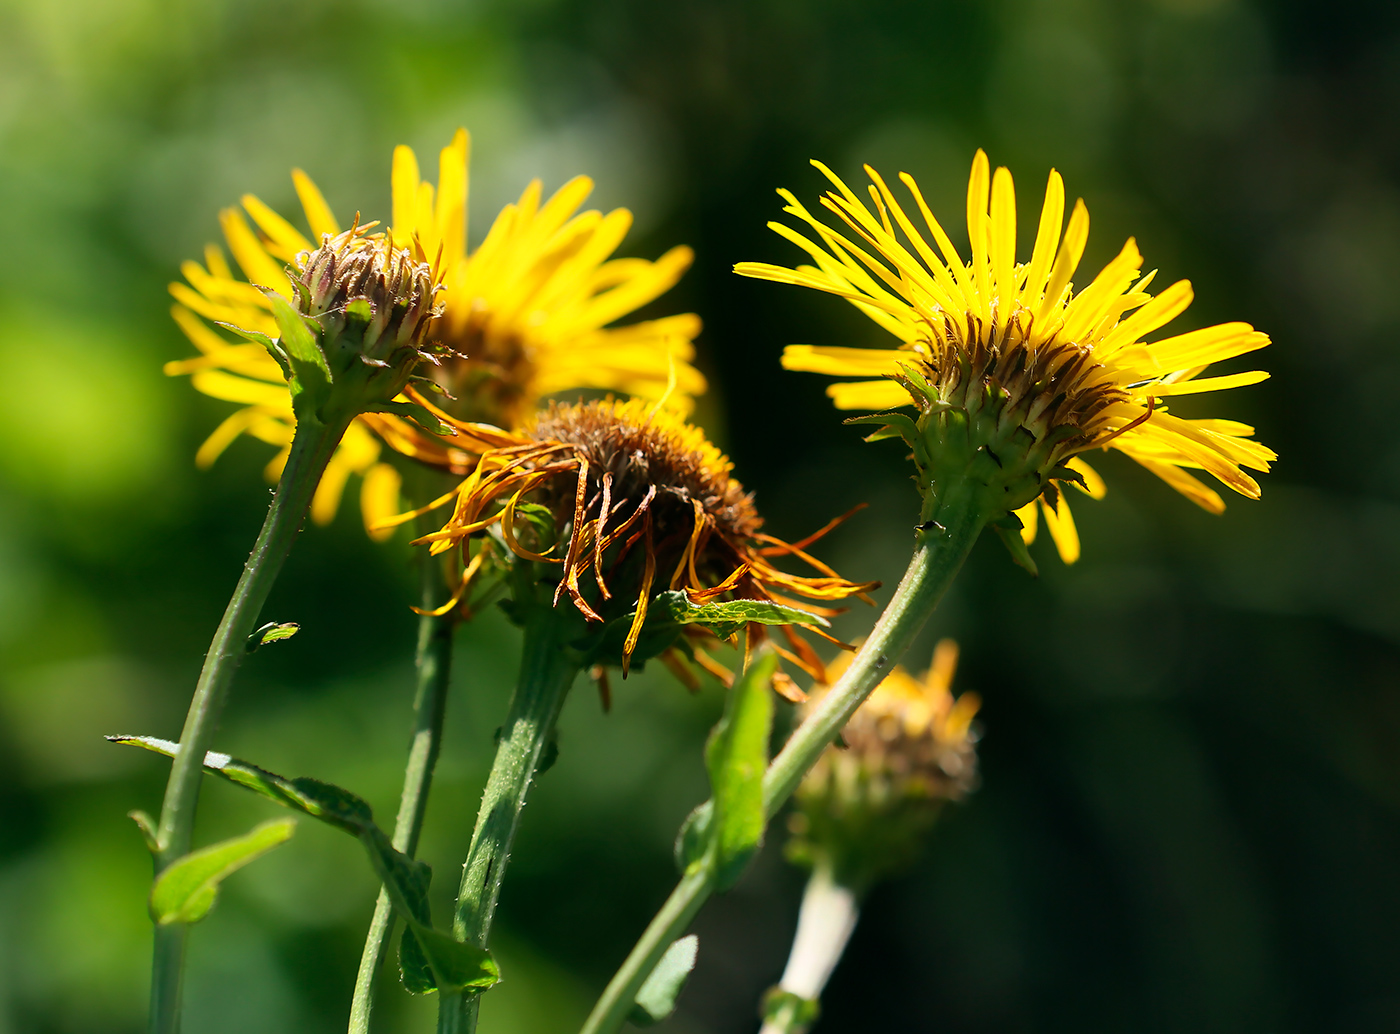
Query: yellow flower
{"points": [[529, 309], [642, 502], [1059, 360]]}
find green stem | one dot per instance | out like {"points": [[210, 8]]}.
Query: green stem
{"points": [[434, 664], [824, 926], [547, 670], [951, 522], [312, 447]]}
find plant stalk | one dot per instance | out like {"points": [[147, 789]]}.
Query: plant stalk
{"points": [[547, 670], [950, 524], [824, 927], [433, 661], [312, 446]]}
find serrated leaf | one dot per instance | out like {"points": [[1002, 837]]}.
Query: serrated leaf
{"points": [[406, 879], [726, 617], [737, 757], [272, 347], [656, 999], [272, 632], [311, 377], [890, 425], [187, 890]]}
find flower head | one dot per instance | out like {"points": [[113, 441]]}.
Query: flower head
{"points": [[633, 504], [527, 314], [865, 806], [1015, 373]]}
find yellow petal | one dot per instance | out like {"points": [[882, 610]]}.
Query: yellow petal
{"points": [[318, 213], [1030, 521], [868, 395], [845, 362], [258, 266], [1093, 484], [1060, 523], [1052, 214], [286, 240], [379, 499], [403, 180]]}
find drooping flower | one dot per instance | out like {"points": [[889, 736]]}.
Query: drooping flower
{"points": [[632, 502], [1033, 371], [866, 805], [527, 314]]}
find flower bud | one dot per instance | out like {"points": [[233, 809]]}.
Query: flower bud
{"points": [[865, 807], [360, 321]]}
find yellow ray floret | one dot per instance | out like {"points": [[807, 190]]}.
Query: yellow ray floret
{"points": [[899, 266], [529, 310]]}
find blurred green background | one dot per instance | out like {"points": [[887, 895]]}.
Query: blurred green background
{"points": [[1190, 817]]}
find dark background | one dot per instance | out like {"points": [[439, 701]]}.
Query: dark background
{"points": [[1189, 813]]}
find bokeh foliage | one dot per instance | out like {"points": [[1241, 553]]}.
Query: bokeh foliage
{"points": [[1191, 811]]}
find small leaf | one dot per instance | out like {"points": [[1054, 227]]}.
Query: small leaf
{"points": [[147, 826], [272, 632], [726, 617], [432, 961], [788, 1011], [890, 425], [272, 347], [420, 415], [694, 837], [657, 998], [187, 890], [1016, 546], [311, 377], [737, 756]]}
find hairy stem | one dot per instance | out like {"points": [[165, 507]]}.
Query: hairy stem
{"points": [[433, 661], [547, 670], [824, 926], [951, 522], [312, 447]]}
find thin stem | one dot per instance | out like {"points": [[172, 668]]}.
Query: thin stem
{"points": [[547, 670], [434, 664], [951, 522], [312, 447], [824, 926], [669, 923]]}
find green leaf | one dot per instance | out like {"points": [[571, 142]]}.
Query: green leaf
{"points": [[693, 840], [1015, 545], [147, 826], [430, 960], [420, 415], [436, 958], [737, 756], [889, 425], [311, 377], [788, 1011], [273, 348], [726, 617], [272, 632], [657, 998], [187, 890]]}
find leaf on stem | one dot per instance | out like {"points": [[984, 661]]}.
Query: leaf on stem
{"points": [[272, 632], [726, 617], [737, 757], [435, 958], [187, 890], [657, 998]]}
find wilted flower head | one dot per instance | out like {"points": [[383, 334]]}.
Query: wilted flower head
{"points": [[866, 805], [1014, 373], [634, 505]]}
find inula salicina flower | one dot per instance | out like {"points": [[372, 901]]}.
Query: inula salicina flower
{"points": [[1015, 372], [527, 314], [639, 502], [864, 808]]}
